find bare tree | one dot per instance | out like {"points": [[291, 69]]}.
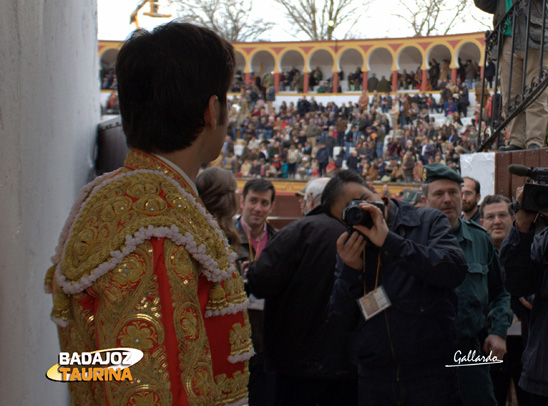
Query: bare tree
{"points": [[437, 17], [228, 18], [319, 19]]}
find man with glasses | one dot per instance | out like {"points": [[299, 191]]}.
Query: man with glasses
{"points": [[497, 217]]}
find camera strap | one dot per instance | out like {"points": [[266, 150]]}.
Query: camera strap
{"points": [[378, 270]]}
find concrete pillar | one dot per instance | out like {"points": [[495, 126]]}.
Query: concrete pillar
{"points": [[335, 82], [49, 111], [395, 81], [454, 75], [424, 81], [277, 82], [364, 81], [248, 78], [306, 82]]}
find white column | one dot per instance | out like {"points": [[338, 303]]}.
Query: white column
{"points": [[49, 110]]}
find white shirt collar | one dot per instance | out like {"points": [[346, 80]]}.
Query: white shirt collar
{"points": [[179, 171]]}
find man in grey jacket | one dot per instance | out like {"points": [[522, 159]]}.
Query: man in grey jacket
{"points": [[528, 129]]}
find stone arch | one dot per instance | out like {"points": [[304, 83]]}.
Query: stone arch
{"points": [[409, 58], [262, 62], [107, 63], [291, 58], [239, 77], [380, 62], [323, 59], [348, 61], [439, 52], [108, 58], [240, 61], [469, 50]]}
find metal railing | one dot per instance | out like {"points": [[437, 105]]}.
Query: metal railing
{"points": [[490, 130]]}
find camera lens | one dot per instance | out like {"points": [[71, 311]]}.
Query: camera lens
{"points": [[540, 199], [354, 215]]}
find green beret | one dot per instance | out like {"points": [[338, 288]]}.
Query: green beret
{"points": [[436, 171]]}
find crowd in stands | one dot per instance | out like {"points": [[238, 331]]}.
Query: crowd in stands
{"points": [[386, 137], [438, 75], [108, 79]]}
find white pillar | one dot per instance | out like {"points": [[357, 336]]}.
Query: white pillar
{"points": [[49, 110]]}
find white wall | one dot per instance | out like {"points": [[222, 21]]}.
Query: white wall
{"points": [[480, 166], [49, 108]]}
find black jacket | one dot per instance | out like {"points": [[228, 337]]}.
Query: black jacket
{"points": [[421, 264], [524, 258], [295, 273]]}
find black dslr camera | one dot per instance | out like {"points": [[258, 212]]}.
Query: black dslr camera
{"points": [[354, 215], [535, 195]]}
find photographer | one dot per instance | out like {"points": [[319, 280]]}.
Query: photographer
{"points": [[523, 255], [407, 257]]}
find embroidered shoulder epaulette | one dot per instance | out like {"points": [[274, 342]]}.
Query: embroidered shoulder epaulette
{"points": [[113, 216]]}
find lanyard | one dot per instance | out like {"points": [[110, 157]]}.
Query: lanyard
{"points": [[252, 255]]}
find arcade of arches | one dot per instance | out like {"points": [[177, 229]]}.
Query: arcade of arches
{"points": [[336, 59]]}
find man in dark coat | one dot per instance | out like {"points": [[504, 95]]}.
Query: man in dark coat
{"points": [[401, 350], [523, 255], [322, 156], [372, 83], [295, 274]]}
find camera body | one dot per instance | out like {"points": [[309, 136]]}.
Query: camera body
{"points": [[535, 197], [354, 215]]}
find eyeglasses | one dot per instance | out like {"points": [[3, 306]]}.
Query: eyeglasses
{"points": [[501, 215]]}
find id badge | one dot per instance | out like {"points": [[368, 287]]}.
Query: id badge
{"points": [[374, 302]]}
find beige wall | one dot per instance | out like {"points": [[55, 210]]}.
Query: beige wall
{"points": [[49, 109]]}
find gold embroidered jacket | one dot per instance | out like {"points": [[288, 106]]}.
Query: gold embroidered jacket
{"points": [[141, 264]]}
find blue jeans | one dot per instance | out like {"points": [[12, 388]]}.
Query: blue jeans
{"points": [[323, 137], [347, 146], [470, 84], [380, 147]]}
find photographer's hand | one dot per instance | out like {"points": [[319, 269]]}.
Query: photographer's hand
{"points": [[351, 251], [528, 305], [378, 233], [245, 268], [524, 219], [495, 344]]}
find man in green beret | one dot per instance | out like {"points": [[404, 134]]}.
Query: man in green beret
{"points": [[484, 313]]}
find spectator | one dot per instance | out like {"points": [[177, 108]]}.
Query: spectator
{"points": [[384, 85], [217, 189], [255, 232], [372, 83], [527, 129], [322, 156], [298, 344], [497, 217], [490, 70], [470, 198]]}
